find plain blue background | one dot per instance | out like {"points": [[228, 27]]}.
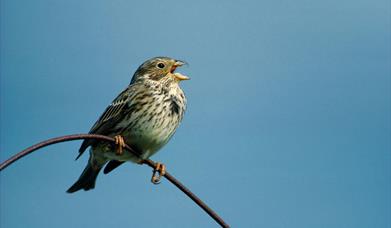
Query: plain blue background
{"points": [[288, 121]]}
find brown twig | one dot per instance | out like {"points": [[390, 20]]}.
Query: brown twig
{"points": [[148, 162]]}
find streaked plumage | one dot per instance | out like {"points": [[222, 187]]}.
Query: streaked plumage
{"points": [[146, 114]]}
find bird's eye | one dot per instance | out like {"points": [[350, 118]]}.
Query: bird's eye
{"points": [[161, 65]]}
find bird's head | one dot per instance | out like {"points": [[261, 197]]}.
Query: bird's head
{"points": [[161, 69]]}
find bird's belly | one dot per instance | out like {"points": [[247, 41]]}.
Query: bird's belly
{"points": [[151, 138], [148, 129], [149, 133]]}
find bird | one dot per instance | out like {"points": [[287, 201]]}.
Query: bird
{"points": [[145, 115]]}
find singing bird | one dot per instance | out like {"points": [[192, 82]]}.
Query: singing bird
{"points": [[145, 115]]}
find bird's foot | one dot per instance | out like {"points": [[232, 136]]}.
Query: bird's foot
{"points": [[120, 143], [161, 168]]}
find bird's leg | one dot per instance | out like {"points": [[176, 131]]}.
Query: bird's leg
{"points": [[120, 143], [161, 168]]}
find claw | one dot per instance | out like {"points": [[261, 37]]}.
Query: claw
{"points": [[120, 142], [161, 168]]}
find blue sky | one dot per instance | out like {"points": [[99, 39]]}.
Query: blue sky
{"points": [[288, 121]]}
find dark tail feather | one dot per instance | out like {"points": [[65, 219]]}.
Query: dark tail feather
{"points": [[111, 166], [86, 180]]}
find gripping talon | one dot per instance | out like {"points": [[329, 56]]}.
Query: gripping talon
{"points": [[161, 168], [120, 142]]}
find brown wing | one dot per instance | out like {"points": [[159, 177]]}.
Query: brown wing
{"points": [[113, 114]]}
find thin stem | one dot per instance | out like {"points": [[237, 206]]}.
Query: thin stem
{"points": [[148, 162]]}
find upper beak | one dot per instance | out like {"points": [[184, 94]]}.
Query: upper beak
{"points": [[179, 63], [180, 77]]}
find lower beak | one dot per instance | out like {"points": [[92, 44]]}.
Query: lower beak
{"points": [[179, 76]]}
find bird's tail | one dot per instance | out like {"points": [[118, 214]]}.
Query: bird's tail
{"points": [[87, 179]]}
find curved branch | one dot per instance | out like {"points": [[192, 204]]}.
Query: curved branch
{"points": [[148, 162]]}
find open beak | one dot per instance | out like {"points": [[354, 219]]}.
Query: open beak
{"points": [[178, 76]]}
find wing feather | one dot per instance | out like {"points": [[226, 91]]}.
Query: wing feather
{"points": [[111, 116]]}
